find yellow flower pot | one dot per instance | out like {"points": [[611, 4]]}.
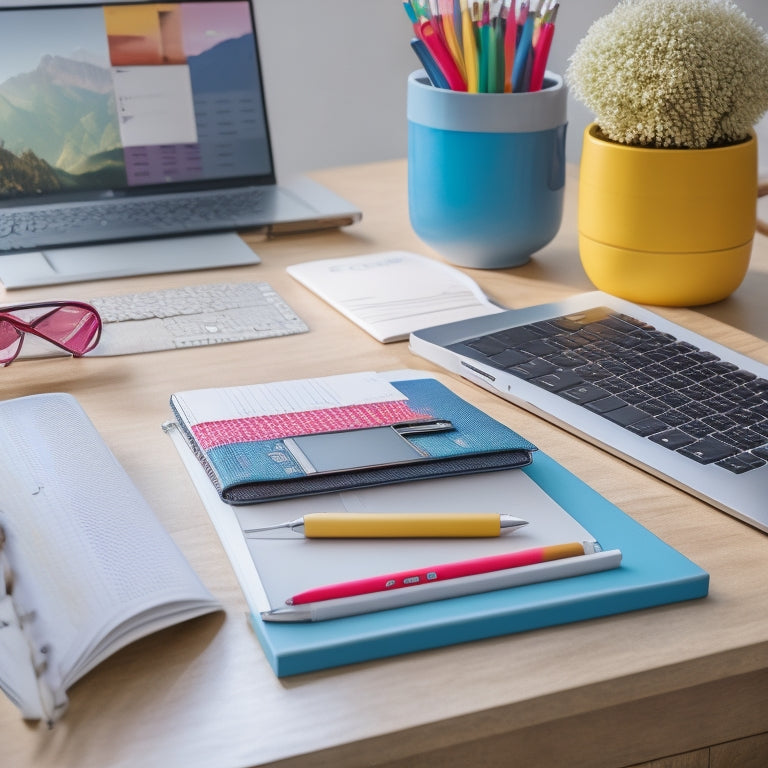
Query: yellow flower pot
{"points": [[671, 227]]}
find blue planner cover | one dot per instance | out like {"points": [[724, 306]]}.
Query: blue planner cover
{"points": [[652, 573], [253, 470]]}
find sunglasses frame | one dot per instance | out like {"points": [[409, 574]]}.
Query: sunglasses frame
{"points": [[6, 314]]}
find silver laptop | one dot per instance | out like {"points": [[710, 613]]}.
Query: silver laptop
{"points": [[668, 400], [136, 120]]}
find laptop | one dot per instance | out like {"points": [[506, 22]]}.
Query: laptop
{"points": [[125, 121], [674, 403]]}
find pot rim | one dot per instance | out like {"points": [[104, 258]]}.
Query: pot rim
{"points": [[592, 128]]}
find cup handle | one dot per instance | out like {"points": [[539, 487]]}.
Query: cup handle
{"points": [[762, 190]]}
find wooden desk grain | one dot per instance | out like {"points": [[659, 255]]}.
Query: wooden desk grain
{"points": [[610, 692]]}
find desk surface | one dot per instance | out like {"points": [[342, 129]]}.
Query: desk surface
{"points": [[611, 691]]}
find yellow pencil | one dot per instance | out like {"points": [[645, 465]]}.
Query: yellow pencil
{"points": [[449, 32], [470, 47]]}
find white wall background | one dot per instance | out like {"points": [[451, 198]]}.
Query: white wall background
{"points": [[335, 77]]}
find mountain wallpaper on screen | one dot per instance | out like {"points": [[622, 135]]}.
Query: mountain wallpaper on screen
{"points": [[58, 129], [58, 123]]}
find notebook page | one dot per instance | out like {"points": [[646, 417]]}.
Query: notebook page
{"points": [[87, 549]]}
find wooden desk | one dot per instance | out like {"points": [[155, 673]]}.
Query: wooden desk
{"points": [[609, 692]]}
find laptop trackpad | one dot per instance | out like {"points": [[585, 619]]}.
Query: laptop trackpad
{"points": [[94, 262]]}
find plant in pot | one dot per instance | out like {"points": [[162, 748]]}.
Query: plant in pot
{"points": [[668, 179]]}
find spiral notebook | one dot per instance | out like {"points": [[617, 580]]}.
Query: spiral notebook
{"points": [[88, 567]]}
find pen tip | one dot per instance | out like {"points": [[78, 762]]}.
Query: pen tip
{"points": [[509, 521]]}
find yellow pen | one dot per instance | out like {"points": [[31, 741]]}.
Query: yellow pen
{"points": [[397, 525], [470, 47]]}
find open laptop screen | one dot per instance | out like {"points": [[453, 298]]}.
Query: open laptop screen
{"points": [[97, 100]]}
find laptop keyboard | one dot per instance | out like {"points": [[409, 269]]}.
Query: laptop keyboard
{"points": [[30, 228], [646, 381], [193, 316]]}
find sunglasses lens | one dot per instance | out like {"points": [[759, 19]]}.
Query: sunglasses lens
{"points": [[10, 341], [73, 327]]}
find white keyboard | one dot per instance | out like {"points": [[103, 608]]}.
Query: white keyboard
{"points": [[192, 316]]}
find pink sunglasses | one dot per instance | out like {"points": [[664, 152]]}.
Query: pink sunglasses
{"points": [[71, 325]]}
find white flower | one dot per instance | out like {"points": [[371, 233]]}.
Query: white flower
{"points": [[673, 73]]}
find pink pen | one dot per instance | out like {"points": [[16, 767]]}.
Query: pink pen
{"points": [[540, 56], [389, 582]]}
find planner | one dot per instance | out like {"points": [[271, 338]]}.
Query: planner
{"points": [[631, 570], [87, 567], [295, 438]]}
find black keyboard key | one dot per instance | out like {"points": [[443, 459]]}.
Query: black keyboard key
{"points": [[557, 380], [592, 372], [759, 386], [654, 389], [743, 392], [719, 422], [761, 452], [656, 370], [661, 338], [533, 368], [700, 375], [661, 355], [719, 404], [740, 376], [741, 463], [626, 415], [592, 353], [700, 356], [509, 358], [695, 410], [647, 427], [742, 438], [605, 404], [616, 367], [637, 378], [718, 385], [677, 381], [567, 342], [634, 396], [744, 416], [566, 359], [545, 328], [615, 385], [697, 429], [565, 324], [675, 399], [584, 393], [512, 337], [653, 407], [697, 392], [682, 348], [674, 418], [538, 347], [681, 363], [708, 450], [673, 439], [487, 345], [720, 366], [761, 428]]}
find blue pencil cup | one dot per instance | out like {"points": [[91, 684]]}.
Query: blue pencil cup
{"points": [[486, 172]]}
